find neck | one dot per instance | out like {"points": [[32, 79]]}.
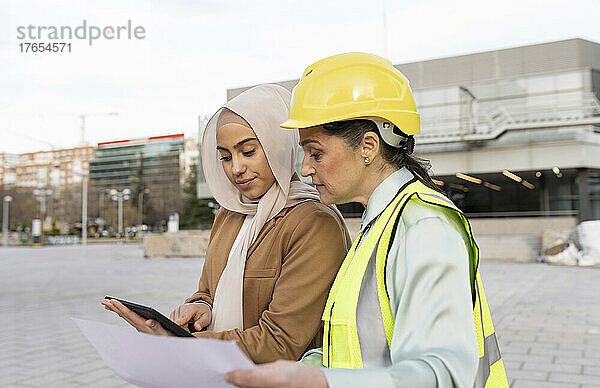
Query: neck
{"points": [[374, 179]]}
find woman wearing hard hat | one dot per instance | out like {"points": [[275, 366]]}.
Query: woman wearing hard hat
{"points": [[407, 308]]}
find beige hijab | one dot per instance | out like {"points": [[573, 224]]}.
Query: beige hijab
{"points": [[263, 108]]}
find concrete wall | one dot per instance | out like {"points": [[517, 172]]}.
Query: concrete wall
{"points": [[181, 244], [508, 239], [521, 225], [505, 239]]}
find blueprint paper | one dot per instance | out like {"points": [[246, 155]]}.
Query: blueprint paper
{"points": [[157, 361]]}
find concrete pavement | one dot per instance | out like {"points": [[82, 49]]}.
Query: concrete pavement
{"points": [[547, 318]]}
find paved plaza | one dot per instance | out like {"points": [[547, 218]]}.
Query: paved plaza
{"points": [[547, 318]]}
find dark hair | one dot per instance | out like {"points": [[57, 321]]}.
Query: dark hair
{"points": [[352, 131]]}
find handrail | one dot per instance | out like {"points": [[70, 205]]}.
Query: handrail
{"points": [[499, 118]]}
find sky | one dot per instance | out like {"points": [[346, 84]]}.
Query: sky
{"points": [[193, 51]]}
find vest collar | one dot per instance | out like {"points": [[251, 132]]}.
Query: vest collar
{"points": [[383, 194]]}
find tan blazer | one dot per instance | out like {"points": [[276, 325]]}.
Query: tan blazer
{"points": [[289, 270]]}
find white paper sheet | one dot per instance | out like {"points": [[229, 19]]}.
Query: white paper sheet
{"points": [[155, 361]]}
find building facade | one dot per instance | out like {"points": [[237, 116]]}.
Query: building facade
{"points": [[151, 168], [54, 168], [46, 183], [511, 133]]}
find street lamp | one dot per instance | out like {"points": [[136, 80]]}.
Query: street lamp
{"points": [[119, 196], [84, 176], [7, 199], [41, 195], [141, 206]]}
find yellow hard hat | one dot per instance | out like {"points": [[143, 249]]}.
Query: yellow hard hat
{"points": [[351, 86]]}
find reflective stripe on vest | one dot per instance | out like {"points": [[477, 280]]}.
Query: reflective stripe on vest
{"points": [[341, 348]]}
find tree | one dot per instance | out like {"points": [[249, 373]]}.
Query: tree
{"points": [[195, 212]]}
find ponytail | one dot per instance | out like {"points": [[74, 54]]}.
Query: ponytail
{"points": [[352, 131]]}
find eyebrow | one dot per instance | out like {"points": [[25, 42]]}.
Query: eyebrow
{"points": [[238, 144], [305, 142]]}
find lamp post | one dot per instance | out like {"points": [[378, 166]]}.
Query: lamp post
{"points": [[119, 196], [7, 199], [41, 196], [141, 206], [84, 178]]}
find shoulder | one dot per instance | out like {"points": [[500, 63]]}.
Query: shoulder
{"points": [[312, 209], [425, 223], [417, 211], [225, 217], [313, 217], [223, 213]]}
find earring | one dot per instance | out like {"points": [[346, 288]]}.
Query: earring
{"points": [[367, 160]]}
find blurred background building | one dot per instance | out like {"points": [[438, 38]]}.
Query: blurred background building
{"points": [[45, 183], [511, 133], [153, 169], [50, 183]]}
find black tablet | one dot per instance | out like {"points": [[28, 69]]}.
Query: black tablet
{"points": [[149, 313]]}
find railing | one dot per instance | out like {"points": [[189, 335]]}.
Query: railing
{"points": [[494, 118]]}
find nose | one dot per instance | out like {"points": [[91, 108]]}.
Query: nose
{"points": [[306, 169], [238, 167]]}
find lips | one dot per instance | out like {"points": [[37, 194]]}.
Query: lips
{"points": [[244, 183]]}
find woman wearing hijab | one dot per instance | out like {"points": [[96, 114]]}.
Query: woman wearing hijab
{"points": [[274, 248], [407, 308]]}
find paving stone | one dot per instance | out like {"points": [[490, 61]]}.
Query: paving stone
{"points": [[577, 361], [95, 375], [591, 354], [569, 378], [516, 347], [46, 378], [64, 384], [527, 357], [543, 346], [524, 383], [558, 352], [542, 366], [592, 370], [528, 374], [512, 364]]}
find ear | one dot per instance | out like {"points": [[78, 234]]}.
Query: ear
{"points": [[369, 146]]}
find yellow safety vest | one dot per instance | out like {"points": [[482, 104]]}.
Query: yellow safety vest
{"points": [[341, 348]]}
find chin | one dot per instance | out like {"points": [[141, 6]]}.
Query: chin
{"points": [[326, 199], [254, 195]]}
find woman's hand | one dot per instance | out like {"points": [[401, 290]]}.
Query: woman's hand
{"points": [[278, 374], [199, 314], [148, 326]]}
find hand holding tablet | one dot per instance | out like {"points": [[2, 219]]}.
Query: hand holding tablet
{"points": [[145, 319]]}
